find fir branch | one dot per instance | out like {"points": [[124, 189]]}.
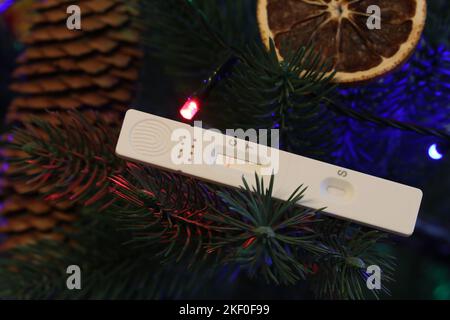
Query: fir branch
{"points": [[342, 271], [265, 236], [177, 20], [165, 211], [70, 159], [110, 269], [286, 95]]}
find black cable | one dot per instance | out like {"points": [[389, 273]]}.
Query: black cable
{"points": [[223, 71], [385, 122]]}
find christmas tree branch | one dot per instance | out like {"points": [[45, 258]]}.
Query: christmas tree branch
{"points": [[266, 236], [163, 210], [109, 268], [342, 272], [70, 159], [283, 95]]}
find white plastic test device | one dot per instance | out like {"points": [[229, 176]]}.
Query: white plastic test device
{"points": [[346, 194]]}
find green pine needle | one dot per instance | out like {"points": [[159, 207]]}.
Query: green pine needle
{"points": [[268, 237], [289, 95], [164, 211], [342, 271], [72, 159]]}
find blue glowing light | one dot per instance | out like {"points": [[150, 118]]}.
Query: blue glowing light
{"points": [[5, 4], [434, 153]]}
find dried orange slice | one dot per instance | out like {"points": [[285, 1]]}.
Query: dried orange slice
{"points": [[339, 30]]}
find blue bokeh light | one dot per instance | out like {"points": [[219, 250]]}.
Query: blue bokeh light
{"points": [[5, 4], [434, 153]]}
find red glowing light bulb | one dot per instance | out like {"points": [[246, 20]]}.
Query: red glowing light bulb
{"points": [[189, 109]]}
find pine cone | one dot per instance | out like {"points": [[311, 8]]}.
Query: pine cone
{"points": [[93, 70]]}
